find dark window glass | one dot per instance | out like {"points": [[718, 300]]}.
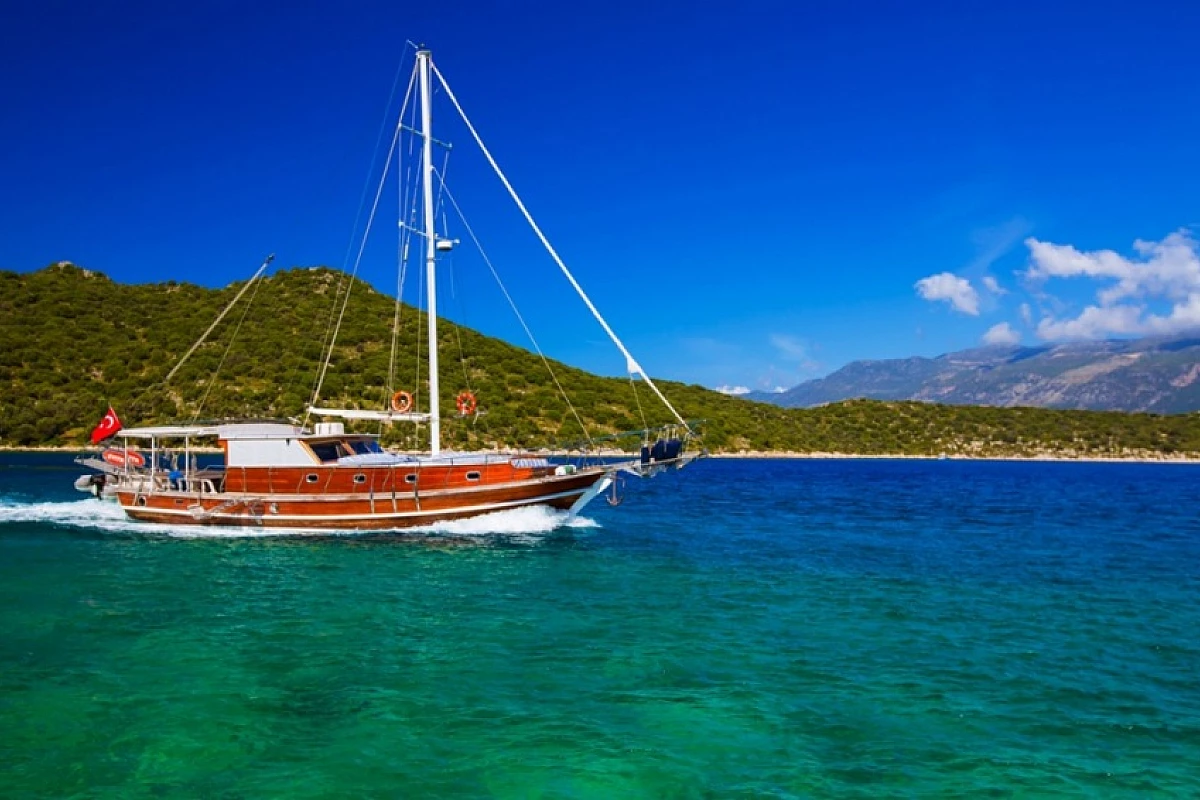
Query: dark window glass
{"points": [[472, 476], [326, 451]]}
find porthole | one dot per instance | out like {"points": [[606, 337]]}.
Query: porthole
{"points": [[410, 478], [360, 478], [311, 477], [141, 501], [473, 476]]}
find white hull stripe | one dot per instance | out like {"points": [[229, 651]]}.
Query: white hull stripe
{"points": [[207, 517]]}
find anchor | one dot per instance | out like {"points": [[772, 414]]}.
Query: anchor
{"points": [[614, 497]]}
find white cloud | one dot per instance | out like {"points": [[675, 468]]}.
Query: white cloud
{"points": [[1170, 268], [734, 390], [1026, 313], [993, 285], [1001, 333], [1096, 322], [1184, 316], [1165, 271], [947, 286]]}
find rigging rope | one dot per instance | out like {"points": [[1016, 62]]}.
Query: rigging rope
{"points": [[516, 312], [441, 205], [136, 402], [357, 260], [418, 363], [638, 400], [225, 355], [220, 317], [326, 341], [411, 196], [404, 238], [631, 363]]}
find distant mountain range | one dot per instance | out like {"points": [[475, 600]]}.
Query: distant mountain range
{"points": [[1160, 375]]}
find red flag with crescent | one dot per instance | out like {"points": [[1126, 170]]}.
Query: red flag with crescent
{"points": [[107, 427]]}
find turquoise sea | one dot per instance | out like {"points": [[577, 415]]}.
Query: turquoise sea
{"points": [[739, 629]]}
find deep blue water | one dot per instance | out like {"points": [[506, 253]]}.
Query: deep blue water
{"points": [[831, 628]]}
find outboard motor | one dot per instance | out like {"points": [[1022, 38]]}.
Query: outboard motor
{"points": [[92, 484]]}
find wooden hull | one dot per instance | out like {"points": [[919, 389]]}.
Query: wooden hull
{"points": [[363, 510]]}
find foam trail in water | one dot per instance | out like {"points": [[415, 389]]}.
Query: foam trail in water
{"points": [[109, 517], [527, 520]]}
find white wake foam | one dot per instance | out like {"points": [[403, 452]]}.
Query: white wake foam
{"points": [[93, 514], [527, 520]]}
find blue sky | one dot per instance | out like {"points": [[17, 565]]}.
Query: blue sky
{"points": [[753, 193]]}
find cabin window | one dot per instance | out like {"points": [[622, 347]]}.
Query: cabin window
{"points": [[360, 478], [410, 478], [473, 475], [365, 447], [311, 477], [325, 451]]}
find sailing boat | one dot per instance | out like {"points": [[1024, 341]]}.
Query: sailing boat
{"points": [[283, 474]]}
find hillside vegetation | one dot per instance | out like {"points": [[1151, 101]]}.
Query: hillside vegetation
{"points": [[73, 341]]}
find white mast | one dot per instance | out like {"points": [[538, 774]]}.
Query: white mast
{"points": [[435, 415]]}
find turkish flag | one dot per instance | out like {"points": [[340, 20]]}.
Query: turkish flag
{"points": [[107, 427]]}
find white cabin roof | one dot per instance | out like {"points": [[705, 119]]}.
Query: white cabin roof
{"points": [[168, 432], [230, 431], [260, 430]]}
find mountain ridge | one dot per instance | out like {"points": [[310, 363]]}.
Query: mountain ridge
{"points": [[1153, 374]]}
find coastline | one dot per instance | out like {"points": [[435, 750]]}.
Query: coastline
{"points": [[790, 455], [786, 455]]}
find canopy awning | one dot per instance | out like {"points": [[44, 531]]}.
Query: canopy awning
{"points": [[231, 430], [168, 432]]}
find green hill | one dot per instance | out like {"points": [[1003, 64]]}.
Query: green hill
{"points": [[72, 341]]}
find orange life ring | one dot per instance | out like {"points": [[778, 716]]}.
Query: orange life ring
{"points": [[465, 403], [401, 401]]}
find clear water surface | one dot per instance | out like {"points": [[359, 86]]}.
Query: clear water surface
{"points": [[740, 629]]}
